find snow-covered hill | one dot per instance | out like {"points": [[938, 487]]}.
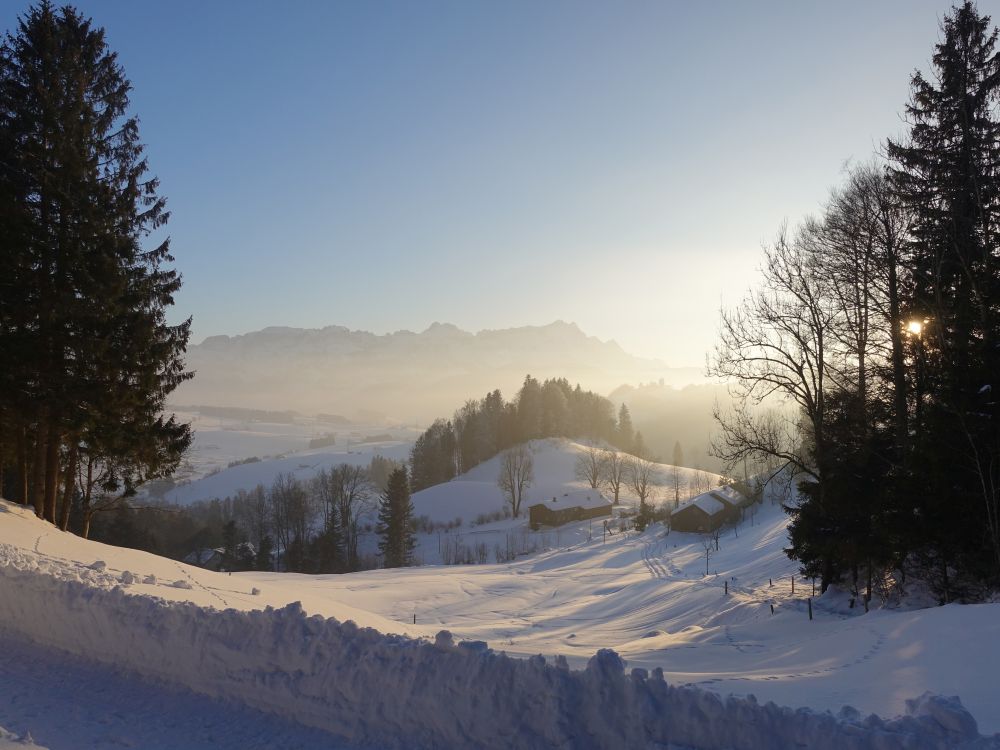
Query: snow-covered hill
{"points": [[470, 508], [645, 596], [473, 507], [215, 468], [476, 491]]}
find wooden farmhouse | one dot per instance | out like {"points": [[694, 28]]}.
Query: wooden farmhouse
{"points": [[559, 507], [709, 510]]}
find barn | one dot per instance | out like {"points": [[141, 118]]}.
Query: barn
{"points": [[558, 507], [710, 510], [701, 514]]}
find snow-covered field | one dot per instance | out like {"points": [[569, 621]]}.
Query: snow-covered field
{"points": [[645, 596], [281, 448]]}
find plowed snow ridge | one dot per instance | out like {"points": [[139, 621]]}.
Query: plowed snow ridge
{"points": [[331, 675]]}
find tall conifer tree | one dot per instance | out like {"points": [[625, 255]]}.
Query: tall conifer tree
{"points": [[948, 173], [395, 522], [82, 302]]}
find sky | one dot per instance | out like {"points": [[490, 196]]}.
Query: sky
{"points": [[385, 165]]}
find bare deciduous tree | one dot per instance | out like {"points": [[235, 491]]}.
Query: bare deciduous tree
{"points": [[776, 344], [292, 515], [676, 476], [351, 495], [614, 472], [708, 545], [517, 472], [590, 466], [253, 514], [641, 473]]}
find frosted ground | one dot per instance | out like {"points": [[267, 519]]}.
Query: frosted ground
{"points": [[281, 448], [645, 596]]}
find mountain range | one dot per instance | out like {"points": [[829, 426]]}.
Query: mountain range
{"points": [[403, 376]]}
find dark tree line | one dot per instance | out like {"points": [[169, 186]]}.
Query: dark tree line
{"points": [[880, 322], [88, 358], [485, 427]]}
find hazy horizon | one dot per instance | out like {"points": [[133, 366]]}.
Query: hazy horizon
{"points": [[200, 340], [408, 376]]}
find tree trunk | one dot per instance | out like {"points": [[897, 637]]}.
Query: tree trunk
{"points": [[52, 471], [22, 465], [898, 366], [38, 471], [70, 486], [87, 494]]}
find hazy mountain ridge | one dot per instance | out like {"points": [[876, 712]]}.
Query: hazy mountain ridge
{"points": [[405, 375]]}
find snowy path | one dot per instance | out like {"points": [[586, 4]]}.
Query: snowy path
{"points": [[68, 703]]}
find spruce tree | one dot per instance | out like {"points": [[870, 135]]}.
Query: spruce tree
{"points": [[395, 522], [948, 173], [678, 458], [625, 434], [82, 301], [529, 410]]}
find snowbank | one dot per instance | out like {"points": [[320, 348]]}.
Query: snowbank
{"points": [[9, 741], [397, 692]]}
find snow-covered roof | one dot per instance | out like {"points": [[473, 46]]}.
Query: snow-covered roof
{"points": [[203, 555], [731, 495], [705, 501], [560, 498]]}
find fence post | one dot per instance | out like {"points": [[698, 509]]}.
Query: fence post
{"points": [[793, 585], [810, 607], [727, 588], [414, 618]]}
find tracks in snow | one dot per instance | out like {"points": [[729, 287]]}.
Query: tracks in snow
{"points": [[650, 558]]}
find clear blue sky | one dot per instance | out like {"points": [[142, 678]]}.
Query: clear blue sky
{"points": [[385, 165]]}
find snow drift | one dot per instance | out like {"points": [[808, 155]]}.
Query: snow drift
{"points": [[395, 692]]}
